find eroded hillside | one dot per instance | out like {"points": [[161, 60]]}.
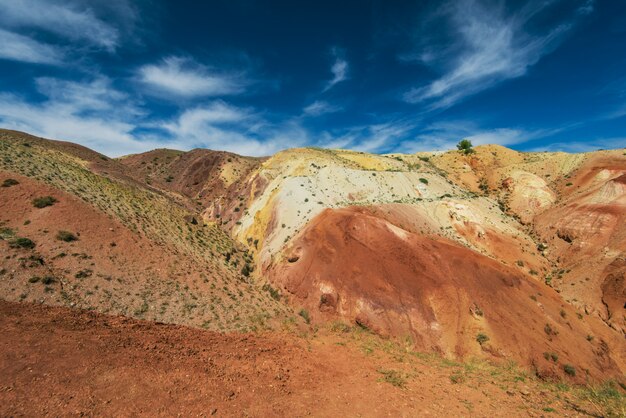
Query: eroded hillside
{"points": [[109, 243], [496, 254], [390, 265]]}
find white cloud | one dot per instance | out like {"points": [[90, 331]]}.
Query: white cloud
{"points": [[93, 113], [320, 107], [221, 126], [98, 115], [339, 70], [369, 138], [586, 145], [488, 47], [185, 78], [445, 135], [16, 47], [69, 20]]}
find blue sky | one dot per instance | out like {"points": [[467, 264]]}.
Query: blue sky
{"points": [[254, 77]]}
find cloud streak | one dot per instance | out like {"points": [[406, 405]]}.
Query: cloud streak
{"points": [[488, 47], [69, 20], [339, 69], [15, 47], [319, 108], [185, 78]]}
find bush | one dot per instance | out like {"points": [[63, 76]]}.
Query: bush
{"points": [[393, 377], [22, 243], [34, 279], [482, 338], [465, 146], [423, 180], [551, 356], [42, 202], [47, 280], [66, 236], [275, 294], [569, 369], [9, 182], [305, 315], [83, 274], [246, 270]]}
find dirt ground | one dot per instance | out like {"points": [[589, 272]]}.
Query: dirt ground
{"points": [[58, 361]]}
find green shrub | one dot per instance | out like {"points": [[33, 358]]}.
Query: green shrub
{"points": [[47, 280], [465, 146], [482, 338], [305, 315], [551, 356], [83, 274], [42, 202], [246, 270], [22, 243], [393, 377], [569, 369], [423, 180], [275, 294], [66, 236], [34, 279], [9, 182]]}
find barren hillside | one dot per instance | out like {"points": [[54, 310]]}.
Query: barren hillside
{"points": [[496, 257]]}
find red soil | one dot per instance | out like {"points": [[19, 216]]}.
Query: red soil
{"points": [[195, 174], [64, 362], [123, 272], [586, 234], [350, 264]]}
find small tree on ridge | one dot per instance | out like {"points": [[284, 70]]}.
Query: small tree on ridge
{"points": [[465, 146]]}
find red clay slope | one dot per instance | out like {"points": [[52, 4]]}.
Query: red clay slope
{"points": [[350, 264], [65, 362]]}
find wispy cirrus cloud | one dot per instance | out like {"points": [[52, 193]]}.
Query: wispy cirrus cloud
{"points": [[583, 145], [92, 113], [16, 47], [183, 77], [320, 107], [101, 116], [219, 125], [488, 46], [71, 20], [339, 69], [441, 136]]}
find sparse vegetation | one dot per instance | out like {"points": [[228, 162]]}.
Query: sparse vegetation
{"points": [[393, 377], [47, 280], [569, 369], [10, 182], [22, 242], [45, 201], [66, 236], [305, 315], [482, 338], [423, 180]]}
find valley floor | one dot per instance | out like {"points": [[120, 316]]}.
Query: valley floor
{"points": [[58, 361]]}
